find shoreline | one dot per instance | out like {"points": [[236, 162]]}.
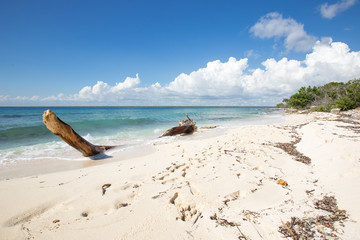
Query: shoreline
{"points": [[45, 165], [222, 187]]}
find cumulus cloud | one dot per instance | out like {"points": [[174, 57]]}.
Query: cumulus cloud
{"points": [[102, 90], [231, 82], [217, 79], [329, 61], [273, 25], [330, 11]]}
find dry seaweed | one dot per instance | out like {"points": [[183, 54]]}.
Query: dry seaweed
{"points": [[355, 129], [346, 120], [290, 149], [311, 227]]}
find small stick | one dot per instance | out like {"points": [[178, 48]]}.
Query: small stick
{"points": [[243, 235], [291, 232], [104, 187], [197, 218]]}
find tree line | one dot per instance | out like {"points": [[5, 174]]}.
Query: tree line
{"points": [[344, 96]]}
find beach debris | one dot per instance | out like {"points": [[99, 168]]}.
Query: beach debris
{"points": [[209, 127], [197, 218], [84, 214], [56, 221], [329, 203], [172, 200], [225, 223], [68, 135], [121, 205], [186, 126], [270, 109], [226, 201], [228, 152], [213, 217], [321, 226], [282, 183], [309, 191], [104, 187], [290, 149]]}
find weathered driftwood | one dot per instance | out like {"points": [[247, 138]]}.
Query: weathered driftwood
{"points": [[185, 126], [66, 133]]}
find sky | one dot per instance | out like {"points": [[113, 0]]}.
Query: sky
{"points": [[173, 53]]}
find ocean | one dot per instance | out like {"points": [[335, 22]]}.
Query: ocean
{"points": [[24, 137]]}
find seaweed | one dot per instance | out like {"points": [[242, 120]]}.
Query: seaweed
{"points": [[311, 227]]}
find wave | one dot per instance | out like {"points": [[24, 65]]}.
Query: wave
{"points": [[30, 135], [12, 116], [100, 126], [24, 136]]}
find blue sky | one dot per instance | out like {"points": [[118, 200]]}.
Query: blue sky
{"points": [[173, 52]]}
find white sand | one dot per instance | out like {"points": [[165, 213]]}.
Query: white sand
{"points": [[223, 187]]}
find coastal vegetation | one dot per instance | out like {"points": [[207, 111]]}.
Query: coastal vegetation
{"points": [[344, 96]]}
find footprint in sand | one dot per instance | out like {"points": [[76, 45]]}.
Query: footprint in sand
{"points": [[28, 215], [186, 211]]}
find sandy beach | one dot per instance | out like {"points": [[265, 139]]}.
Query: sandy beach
{"points": [[284, 181]]}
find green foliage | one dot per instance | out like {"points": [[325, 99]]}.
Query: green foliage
{"points": [[334, 94], [303, 98], [353, 91], [321, 109], [344, 103], [333, 90], [280, 105]]}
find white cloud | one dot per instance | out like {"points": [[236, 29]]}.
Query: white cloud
{"points": [[274, 25], [252, 54], [231, 82], [329, 61], [217, 79], [4, 98], [330, 11], [102, 90], [34, 98], [128, 83]]}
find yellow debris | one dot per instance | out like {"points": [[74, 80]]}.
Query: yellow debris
{"points": [[282, 182]]}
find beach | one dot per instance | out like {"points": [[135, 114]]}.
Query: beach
{"points": [[275, 181]]}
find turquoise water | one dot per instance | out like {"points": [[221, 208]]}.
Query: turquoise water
{"points": [[23, 136]]}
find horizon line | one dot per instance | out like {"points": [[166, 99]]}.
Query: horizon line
{"points": [[180, 106]]}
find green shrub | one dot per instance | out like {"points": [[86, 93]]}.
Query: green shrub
{"points": [[303, 98], [344, 103], [280, 105], [321, 109], [334, 94]]}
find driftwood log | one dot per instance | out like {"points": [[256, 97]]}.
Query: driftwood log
{"points": [[66, 133], [186, 126]]}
